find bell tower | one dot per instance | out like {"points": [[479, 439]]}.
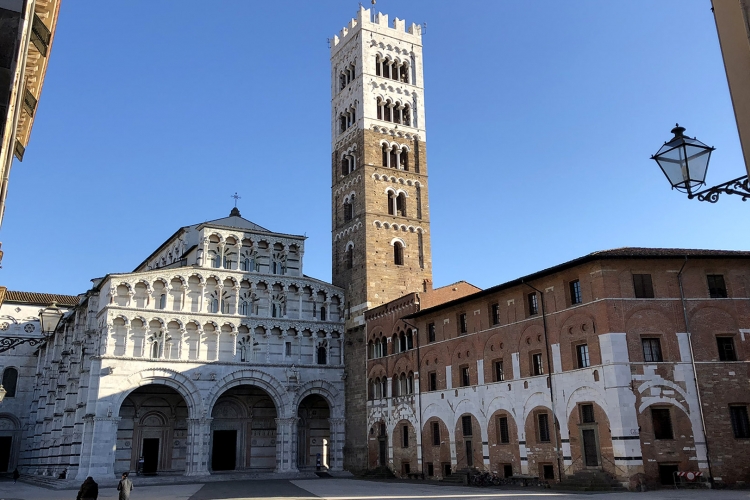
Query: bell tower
{"points": [[380, 213]]}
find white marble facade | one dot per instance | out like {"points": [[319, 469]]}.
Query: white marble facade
{"points": [[216, 353]]}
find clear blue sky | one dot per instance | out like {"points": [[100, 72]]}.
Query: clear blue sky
{"points": [[541, 118]]}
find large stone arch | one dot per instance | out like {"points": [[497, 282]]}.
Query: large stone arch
{"points": [[257, 378], [324, 389], [161, 376], [584, 394]]}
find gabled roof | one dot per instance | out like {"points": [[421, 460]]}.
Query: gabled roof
{"points": [[236, 220]]}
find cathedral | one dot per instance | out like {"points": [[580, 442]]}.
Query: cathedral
{"points": [[217, 353]]}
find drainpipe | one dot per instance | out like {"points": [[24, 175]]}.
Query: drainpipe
{"points": [[695, 371], [419, 394], [558, 449]]}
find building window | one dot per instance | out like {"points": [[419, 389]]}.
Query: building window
{"points": [[432, 381], [499, 373], [162, 301], [348, 211], [288, 349], [436, 433], [321, 355], [430, 469], [213, 306], [717, 289], [349, 257], [405, 436], [587, 414], [507, 470], [495, 314], [652, 350], [465, 378], [406, 468], [466, 425], [548, 471], [244, 308], [225, 306], [322, 313], [533, 304], [536, 364], [398, 253], [726, 349], [10, 380], [431, 332], [662, 423], [462, 323], [543, 421], [582, 355], [575, 292], [740, 423], [642, 286], [503, 436]]}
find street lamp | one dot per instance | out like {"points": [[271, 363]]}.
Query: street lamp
{"points": [[49, 318], [684, 161]]}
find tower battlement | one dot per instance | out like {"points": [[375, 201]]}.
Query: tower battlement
{"points": [[380, 24]]}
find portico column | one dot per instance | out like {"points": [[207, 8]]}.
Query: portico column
{"points": [[199, 437], [286, 444], [239, 254], [98, 455], [336, 433]]}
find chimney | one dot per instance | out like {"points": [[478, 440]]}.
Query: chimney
{"points": [[427, 285]]}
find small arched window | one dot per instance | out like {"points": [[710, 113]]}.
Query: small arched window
{"points": [[404, 159], [10, 381], [371, 350], [321, 355], [391, 203], [213, 305], [410, 383], [162, 304], [385, 154], [395, 344], [402, 342], [384, 347], [244, 308], [384, 383], [224, 306], [387, 111], [380, 108], [377, 65], [406, 116], [348, 210], [216, 262], [349, 257], [398, 253], [404, 73], [322, 313], [393, 158], [154, 350], [245, 264], [409, 339]]}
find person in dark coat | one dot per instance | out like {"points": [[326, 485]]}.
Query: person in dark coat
{"points": [[125, 486], [89, 490], [16, 475]]}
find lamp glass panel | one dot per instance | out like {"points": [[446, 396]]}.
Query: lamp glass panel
{"points": [[49, 318], [672, 162]]}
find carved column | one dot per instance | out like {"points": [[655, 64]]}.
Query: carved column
{"points": [[199, 438], [336, 433], [286, 444]]}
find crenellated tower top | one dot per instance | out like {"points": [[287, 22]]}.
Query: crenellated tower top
{"points": [[379, 24]]}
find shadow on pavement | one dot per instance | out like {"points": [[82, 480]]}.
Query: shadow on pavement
{"points": [[250, 489]]}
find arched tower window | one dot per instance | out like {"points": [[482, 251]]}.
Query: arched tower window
{"points": [[406, 115], [385, 155], [393, 160], [391, 203], [387, 110], [244, 308], [10, 381], [404, 159], [398, 253], [349, 257], [377, 65], [404, 73], [349, 209], [380, 108]]}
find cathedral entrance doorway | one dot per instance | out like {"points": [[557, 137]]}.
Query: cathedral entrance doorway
{"points": [[152, 427], [5, 449], [243, 430], [313, 432]]}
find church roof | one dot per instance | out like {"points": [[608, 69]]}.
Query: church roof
{"points": [[237, 221]]}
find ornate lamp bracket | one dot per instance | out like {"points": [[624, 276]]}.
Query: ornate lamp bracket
{"points": [[740, 186]]}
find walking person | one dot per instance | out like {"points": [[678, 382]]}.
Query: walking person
{"points": [[16, 475], [125, 486], [89, 490]]}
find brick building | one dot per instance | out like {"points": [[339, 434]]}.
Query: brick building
{"points": [[589, 364]]}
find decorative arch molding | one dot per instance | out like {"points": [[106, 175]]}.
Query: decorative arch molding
{"points": [[254, 377], [584, 394], [654, 400], [501, 403], [13, 419], [399, 240], [161, 376], [534, 401], [348, 230]]}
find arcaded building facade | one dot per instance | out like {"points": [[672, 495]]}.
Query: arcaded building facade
{"points": [[591, 364], [216, 353]]}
